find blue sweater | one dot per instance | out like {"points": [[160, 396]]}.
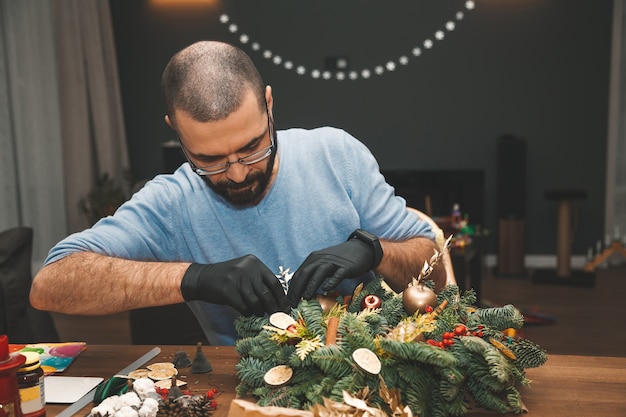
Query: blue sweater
{"points": [[328, 184]]}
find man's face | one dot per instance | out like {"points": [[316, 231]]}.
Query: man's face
{"points": [[236, 155], [251, 190]]}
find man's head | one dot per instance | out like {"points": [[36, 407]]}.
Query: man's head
{"points": [[221, 111], [208, 80]]}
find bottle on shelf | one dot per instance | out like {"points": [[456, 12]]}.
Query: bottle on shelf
{"points": [[456, 215]]}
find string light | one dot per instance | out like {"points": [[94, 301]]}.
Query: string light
{"points": [[353, 75]]}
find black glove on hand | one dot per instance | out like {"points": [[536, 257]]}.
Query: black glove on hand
{"points": [[245, 284], [346, 260]]}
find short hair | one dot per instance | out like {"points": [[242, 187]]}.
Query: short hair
{"points": [[208, 80]]}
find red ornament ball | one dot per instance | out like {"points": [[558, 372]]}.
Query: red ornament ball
{"points": [[371, 301]]}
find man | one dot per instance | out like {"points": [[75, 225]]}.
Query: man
{"points": [[250, 201]]}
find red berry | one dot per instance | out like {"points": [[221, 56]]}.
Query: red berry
{"points": [[460, 330], [428, 309]]}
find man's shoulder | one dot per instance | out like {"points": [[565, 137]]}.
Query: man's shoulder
{"points": [[182, 182], [326, 136], [316, 132]]}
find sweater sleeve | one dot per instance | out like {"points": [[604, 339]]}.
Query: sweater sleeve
{"points": [[137, 230]]}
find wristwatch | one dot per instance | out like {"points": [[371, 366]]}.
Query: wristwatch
{"points": [[371, 240]]}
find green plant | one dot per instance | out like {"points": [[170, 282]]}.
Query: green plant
{"points": [[103, 199]]}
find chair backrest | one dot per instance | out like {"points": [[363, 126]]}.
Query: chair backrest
{"points": [[450, 277], [18, 319]]}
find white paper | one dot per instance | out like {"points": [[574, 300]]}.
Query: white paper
{"points": [[68, 389]]}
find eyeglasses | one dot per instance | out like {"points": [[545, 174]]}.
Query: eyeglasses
{"points": [[246, 160]]}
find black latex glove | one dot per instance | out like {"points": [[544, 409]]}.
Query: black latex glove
{"points": [[245, 284], [346, 260]]}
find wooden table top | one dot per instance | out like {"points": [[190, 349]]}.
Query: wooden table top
{"points": [[581, 386]]}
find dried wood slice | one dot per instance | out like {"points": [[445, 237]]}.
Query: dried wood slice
{"points": [[139, 373], [281, 320], [162, 374], [278, 376], [367, 361], [160, 365], [167, 383]]}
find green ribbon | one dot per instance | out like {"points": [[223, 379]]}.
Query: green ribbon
{"points": [[110, 387]]}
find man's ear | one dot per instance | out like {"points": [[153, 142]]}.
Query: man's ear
{"points": [[269, 99], [168, 121]]}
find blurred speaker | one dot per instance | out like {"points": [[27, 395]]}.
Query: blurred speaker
{"points": [[511, 243], [511, 178], [511, 205]]}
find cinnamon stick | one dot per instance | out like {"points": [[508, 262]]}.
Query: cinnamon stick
{"points": [[439, 309], [331, 330]]}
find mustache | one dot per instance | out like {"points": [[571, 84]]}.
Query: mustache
{"points": [[231, 185]]}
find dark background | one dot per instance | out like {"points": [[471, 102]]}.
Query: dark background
{"points": [[534, 69]]}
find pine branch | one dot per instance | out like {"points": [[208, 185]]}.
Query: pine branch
{"points": [[499, 317], [488, 399], [529, 354], [393, 310], [251, 371], [417, 395], [311, 313], [498, 365], [333, 361], [420, 352], [249, 326], [515, 400]]}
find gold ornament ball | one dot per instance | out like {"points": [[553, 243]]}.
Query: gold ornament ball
{"points": [[417, 297]]}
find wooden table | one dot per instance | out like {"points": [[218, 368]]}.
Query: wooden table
{"points": [[580, 386]]}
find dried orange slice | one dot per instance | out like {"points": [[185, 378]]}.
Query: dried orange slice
{"points": [[367, 361], [160, 365], [139, 373], [160, 374], [281, 320], [278, 376], [167, 383]]}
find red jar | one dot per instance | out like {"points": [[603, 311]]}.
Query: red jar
{"points": [[9, 394]]}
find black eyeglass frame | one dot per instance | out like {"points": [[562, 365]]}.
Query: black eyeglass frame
{"points": [[251, 159]]}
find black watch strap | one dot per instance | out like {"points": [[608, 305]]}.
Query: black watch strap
{"points": [[371, 240]]}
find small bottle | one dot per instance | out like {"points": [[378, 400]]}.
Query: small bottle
{"points": [[456, 215], [31, 386]]}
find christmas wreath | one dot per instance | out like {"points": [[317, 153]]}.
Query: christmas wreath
{"points": [[437, 361]]}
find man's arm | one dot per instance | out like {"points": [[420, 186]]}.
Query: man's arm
{"points": [[92, 284], [404, 260]]}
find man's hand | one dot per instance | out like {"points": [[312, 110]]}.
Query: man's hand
{"points": [[346, 260], [244, 283]]}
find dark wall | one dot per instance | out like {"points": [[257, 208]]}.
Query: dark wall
{"points": [[536, 69]]}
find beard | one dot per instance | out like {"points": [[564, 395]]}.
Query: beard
{"points": [[250, 191]]}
